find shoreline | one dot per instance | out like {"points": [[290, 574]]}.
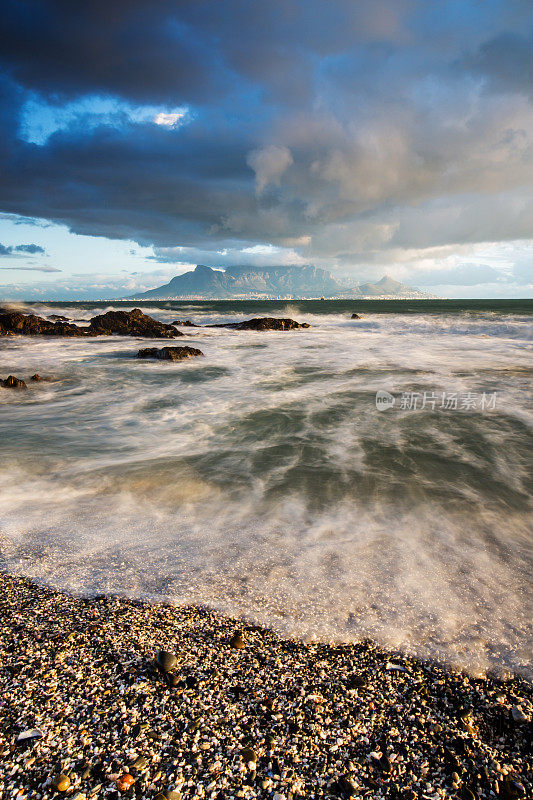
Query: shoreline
{"points": [[277, 718]]}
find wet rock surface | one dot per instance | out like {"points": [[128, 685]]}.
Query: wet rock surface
{"points": [[264, 324], [14, 323], [355, 316], [131, 323], [88, 712], [169, 353], [13, 383], [119, 323], [185, 322]]}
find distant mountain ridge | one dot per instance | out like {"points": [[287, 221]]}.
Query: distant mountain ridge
{"points": [[386, 288], [284, 282]]}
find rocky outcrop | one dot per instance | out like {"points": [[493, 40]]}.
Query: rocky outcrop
{"points": [[13, 383], [58, 318], [121, 323], [14, 322], [131, 323], [355, 316], [264, 324], [169, 353], [185, 322]]}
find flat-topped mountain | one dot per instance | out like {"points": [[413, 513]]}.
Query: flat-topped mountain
{"points": [[245, 282]]}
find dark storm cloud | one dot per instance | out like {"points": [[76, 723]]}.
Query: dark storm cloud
{"points": [[507, 61], [18, 249], [136, 49], [343, 130]]}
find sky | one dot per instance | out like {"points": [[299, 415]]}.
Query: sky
{"points": [[368, 137]]}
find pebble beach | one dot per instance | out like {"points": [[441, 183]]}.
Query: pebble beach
{"points": [[110, 697]]}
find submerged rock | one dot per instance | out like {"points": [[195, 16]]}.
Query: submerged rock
{"points": [[13, 383], [169, 353], [185, 322], [58, 318], [131, 323], [355, 316], [264, 324]]}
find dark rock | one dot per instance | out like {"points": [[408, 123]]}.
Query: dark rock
{"points": [[276, 767], [384, 763], [355, 682], [248, 755], [58, 318], [185, 322], [131, 323], [169, 353], [15, 323], [346, 787], [467, 794], [13, 383], [355, 316], [518, 715], [36, 377], [511, 789], [237, 641], [166, 661], [264, 324], [31, 735]]}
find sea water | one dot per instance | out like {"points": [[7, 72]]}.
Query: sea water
{"points": [[263, 481]]}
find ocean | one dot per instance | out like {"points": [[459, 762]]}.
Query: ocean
{"points": [[265, 480]]}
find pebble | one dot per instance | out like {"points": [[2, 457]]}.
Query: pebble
{"points": [[28, 736], [166, 661], [140, 763], [237, 640], [513, 789], [249, 756], [125, 782], [347, 786], [61, 783], [288, 718], [518, 715]]}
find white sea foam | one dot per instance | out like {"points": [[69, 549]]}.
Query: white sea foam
{"points": [[263, 481]]}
